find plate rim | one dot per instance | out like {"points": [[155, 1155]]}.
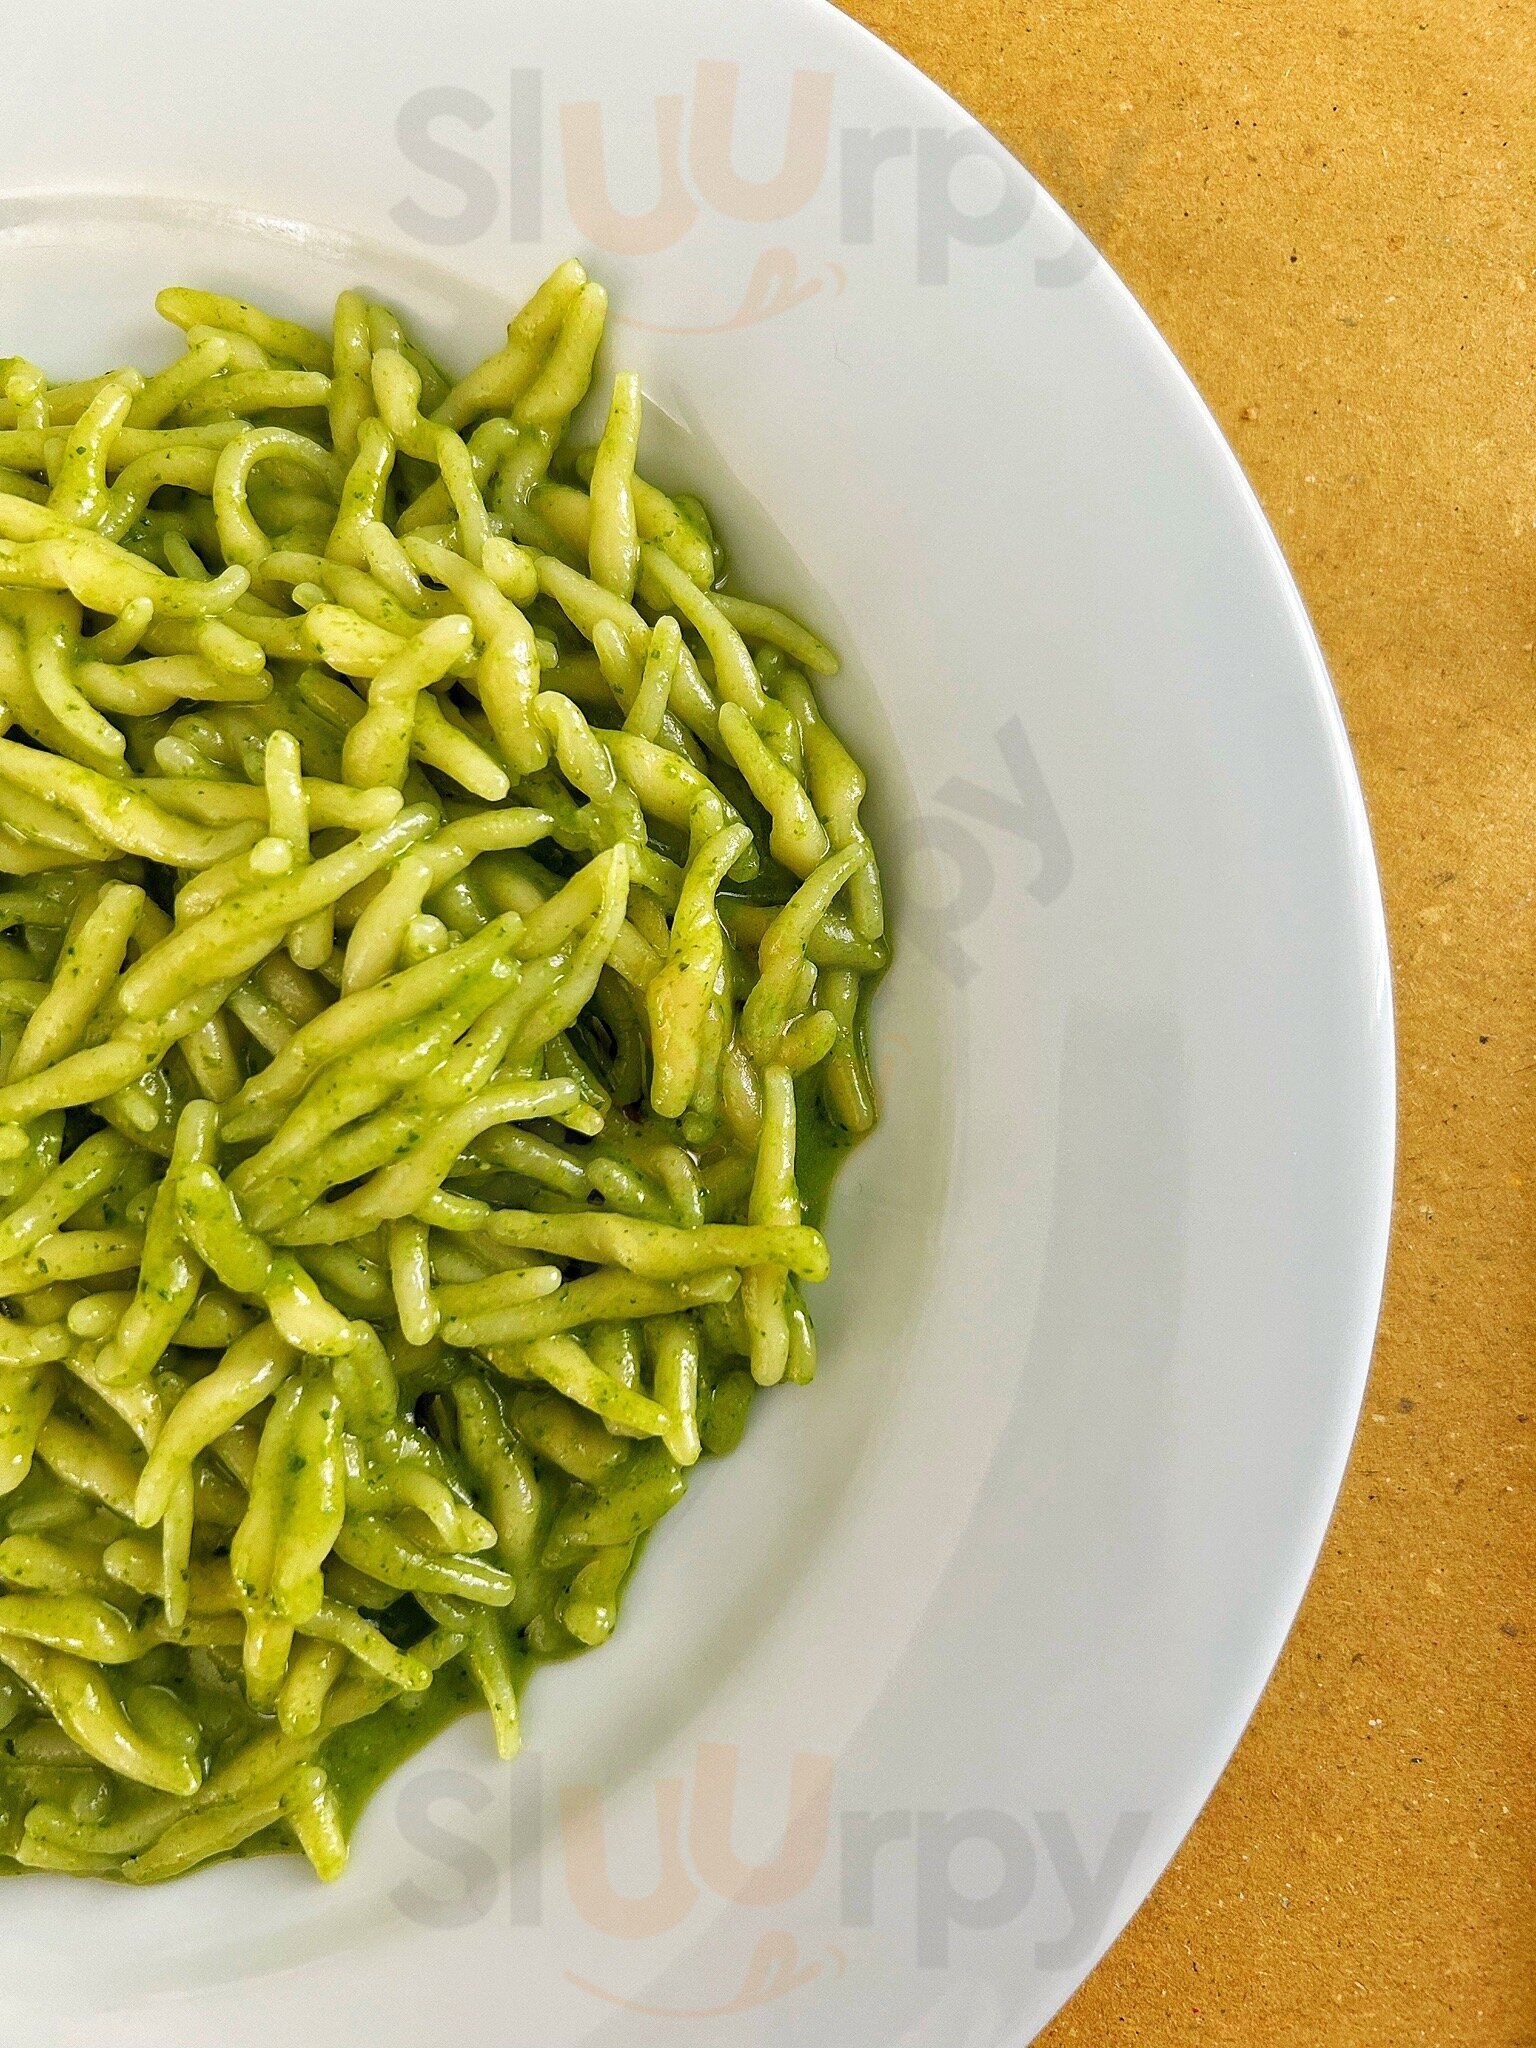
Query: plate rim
{"points": [[1359, 1347]]}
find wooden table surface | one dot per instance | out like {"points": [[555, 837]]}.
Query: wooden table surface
{"points": [[1329, 208]]}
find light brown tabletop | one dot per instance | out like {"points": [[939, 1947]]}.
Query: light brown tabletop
{"points": [[1330, 211]]}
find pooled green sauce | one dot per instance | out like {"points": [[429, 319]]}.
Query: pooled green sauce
{"points": [[360, 1757]]}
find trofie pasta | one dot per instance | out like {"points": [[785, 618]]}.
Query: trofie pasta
{"points": [[437, 936]]}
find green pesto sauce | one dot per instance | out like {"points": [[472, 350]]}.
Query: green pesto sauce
{"points": [[359, 1757], [821, 1146]]}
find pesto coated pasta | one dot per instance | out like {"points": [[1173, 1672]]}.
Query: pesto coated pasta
{"points": [[437, 937]]}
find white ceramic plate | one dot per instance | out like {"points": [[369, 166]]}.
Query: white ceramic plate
{"points": [[1011, 1577]]}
